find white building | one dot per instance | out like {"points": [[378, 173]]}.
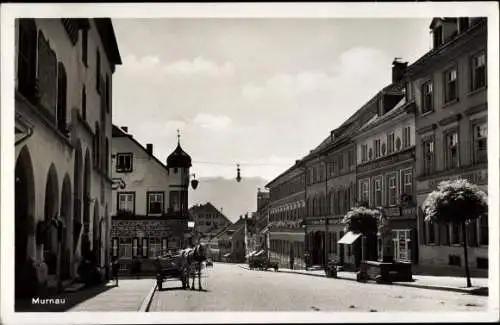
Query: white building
{"points": [[63, 108], [150, 200]]}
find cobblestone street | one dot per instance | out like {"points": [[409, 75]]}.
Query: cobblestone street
{"points": [[231, 288]]}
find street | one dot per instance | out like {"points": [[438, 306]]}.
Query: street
{"points": [[232, 288]]}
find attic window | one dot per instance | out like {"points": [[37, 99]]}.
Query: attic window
{"points": [[438, 36]]}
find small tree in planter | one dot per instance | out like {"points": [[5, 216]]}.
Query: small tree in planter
{"points": [[456, 201], [367, 222]]}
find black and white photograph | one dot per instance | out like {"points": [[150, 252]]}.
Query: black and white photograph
{"points": [[249, 162]]}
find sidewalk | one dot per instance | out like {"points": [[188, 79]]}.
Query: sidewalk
{"points": [[130, 295], [446, 283]]}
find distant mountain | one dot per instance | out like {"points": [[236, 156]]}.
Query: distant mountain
{"points": [[235, 198]]}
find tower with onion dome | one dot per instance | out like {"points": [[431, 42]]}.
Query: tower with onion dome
{"points": [[178, 165]]}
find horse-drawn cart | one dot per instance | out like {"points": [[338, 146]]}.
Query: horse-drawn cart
{"points": [[171, 267], [260, 261]]}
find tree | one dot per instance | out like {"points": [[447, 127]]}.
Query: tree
{"points": [[368, 222], [456, 201]]}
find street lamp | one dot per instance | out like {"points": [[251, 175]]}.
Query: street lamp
{"points": [[194, 182], [238, 175]]}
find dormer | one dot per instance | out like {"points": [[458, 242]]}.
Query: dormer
{"points": [[443, 30]]}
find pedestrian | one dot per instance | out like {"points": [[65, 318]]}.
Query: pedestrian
{"points": [[115, 266]]}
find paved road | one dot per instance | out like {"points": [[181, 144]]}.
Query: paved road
{"points": [[231, 288]]}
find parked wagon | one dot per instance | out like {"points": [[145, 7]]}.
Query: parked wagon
{"points": [[260, 261], [171, 267]]}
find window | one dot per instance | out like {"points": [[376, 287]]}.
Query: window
{"points": [[427, 98], [480, 143], [155, 203], [96, 146], [390, 143], [84, 104], [406, 137], [376, 145], [428, 149], [393, 190], [483, 230], [364, 152], [126, 201], [115, 247], [438, 36], [452, 150], [26, 60], [454, 260], [124, 162], [144, 247], [378, 192], [61, 98], [98, 72], [407, 182], [155, 248], [351, 157], [341, 162], [106, 157], [85, 46], [49, 81], [175, 201], [450, 85], [463, 24], [478, 71], [135, 246], [365, 192]]}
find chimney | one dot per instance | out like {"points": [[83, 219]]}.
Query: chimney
{"points": [[149, 148], [125, 129], [398, 70]]}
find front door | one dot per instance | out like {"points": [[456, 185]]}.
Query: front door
{"points": [[401, 242]]}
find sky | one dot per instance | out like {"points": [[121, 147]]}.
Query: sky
{"points": [[258, 92]]}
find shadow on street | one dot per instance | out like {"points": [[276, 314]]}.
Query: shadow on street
{"points": [[71, 299]]}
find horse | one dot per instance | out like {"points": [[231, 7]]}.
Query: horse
{"points": [[193, 259]]}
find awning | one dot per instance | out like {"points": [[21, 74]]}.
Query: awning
{"points": [[349, 238], [260, 252], [227, 254]]}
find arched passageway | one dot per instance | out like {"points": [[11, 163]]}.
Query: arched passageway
{"points": [[66, 216], [85, 247], [51, 212], [77, 199], [95, 233], [25, 276]]}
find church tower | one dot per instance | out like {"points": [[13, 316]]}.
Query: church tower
{"points": [[178, 164]]}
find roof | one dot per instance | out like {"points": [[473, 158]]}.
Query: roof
{"points": [[377, 120], [288, 170], [119, 133], [210, 206], [108, 37], [436, 52], [179, 158]]}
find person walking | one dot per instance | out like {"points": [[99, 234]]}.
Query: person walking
{"points": [[114, 267]]}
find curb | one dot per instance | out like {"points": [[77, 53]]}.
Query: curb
{"points": [[146, 303], [478, 291]]}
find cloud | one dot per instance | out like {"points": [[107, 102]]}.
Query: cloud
{"points": [[199, 66], [213, 122]]}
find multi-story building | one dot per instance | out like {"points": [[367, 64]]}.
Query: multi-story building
{"points": [[449, 87], [150, 200], [231, 242], [63, 108], [208, 220], [385, 168], [262, 220], [286, 211]]}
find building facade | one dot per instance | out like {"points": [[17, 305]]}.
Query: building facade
{"points": [[286, 211], [149, 209], [386, 168], [63, 109], [262, 220], [208, 220], [449, 88]]}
